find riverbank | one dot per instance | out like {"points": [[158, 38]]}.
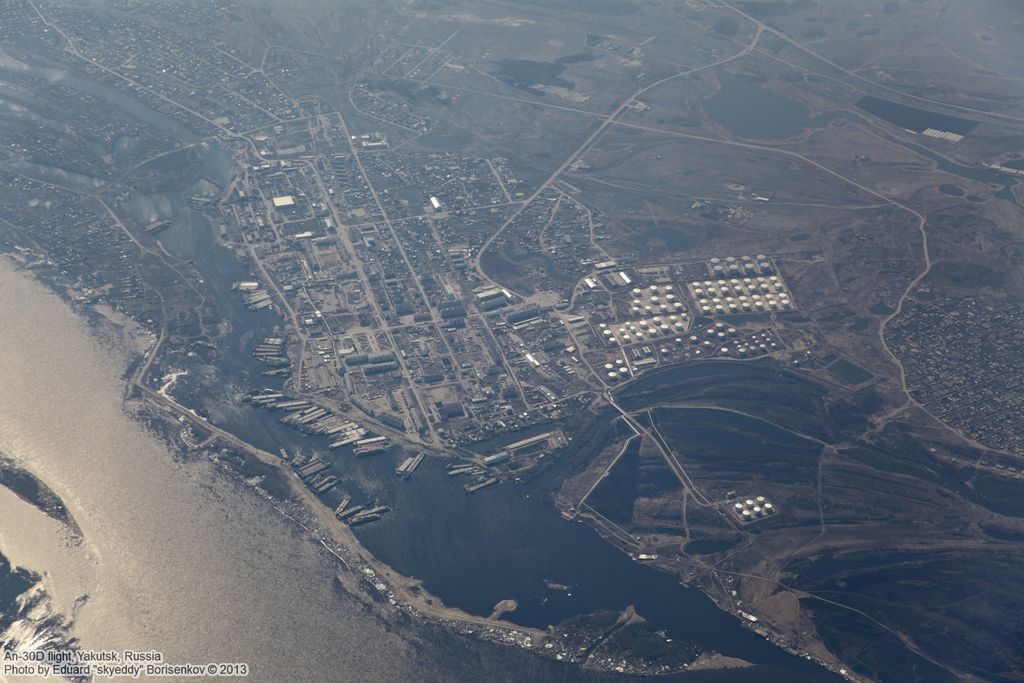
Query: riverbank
{"points": [[527, 627], [337, 537], [173, 556]]}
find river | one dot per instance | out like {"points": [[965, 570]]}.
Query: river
{"points": [[172, 556]]}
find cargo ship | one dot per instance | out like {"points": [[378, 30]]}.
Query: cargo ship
{"points": [[368, 515], [346, 499], [321, 485], [354, 510], [409, 466], [347, 438], [315, 466], [370, 446], [470, 488], [356, 521]]}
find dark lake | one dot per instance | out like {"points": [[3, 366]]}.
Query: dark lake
{"points": [[912, 118], [749, 110]]}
